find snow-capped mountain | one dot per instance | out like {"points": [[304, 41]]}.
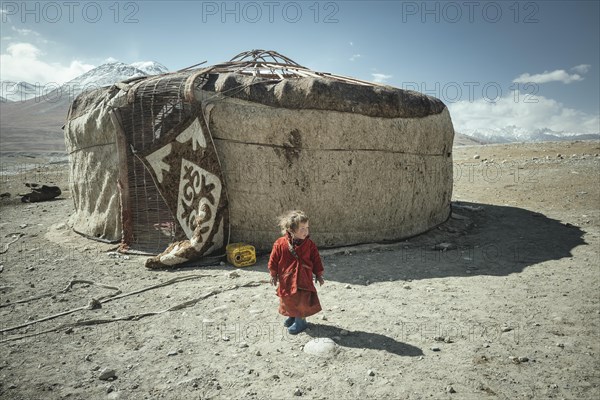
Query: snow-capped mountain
{"points": [[17, 91], [104, 75], [110, 73], [34, 113], [513, 133], [150, 67]]}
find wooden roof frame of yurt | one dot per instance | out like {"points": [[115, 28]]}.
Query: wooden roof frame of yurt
{"points": [[271, 65]]}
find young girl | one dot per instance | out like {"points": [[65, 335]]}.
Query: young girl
{"points": [[294, 259]]}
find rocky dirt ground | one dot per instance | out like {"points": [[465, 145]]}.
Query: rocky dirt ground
{"points": [[501, 301]]}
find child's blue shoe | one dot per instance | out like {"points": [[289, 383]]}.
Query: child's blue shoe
{"points": [[298, 326], [288, 322]]}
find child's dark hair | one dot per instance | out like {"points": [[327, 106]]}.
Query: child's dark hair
{"points": [[291, 220]]}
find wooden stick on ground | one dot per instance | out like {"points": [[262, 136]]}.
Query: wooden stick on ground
{"points": [[104, 300], [135, 317]]}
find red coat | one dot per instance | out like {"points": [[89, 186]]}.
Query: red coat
{"points": [[292, 274]]}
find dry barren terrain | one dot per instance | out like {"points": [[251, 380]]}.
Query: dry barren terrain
{"points": [[499, 302]]}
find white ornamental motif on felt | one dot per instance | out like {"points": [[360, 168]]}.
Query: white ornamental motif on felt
{"points": [[196, 188]]}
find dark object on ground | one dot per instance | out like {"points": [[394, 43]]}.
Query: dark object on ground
{"points": [[5, 195], [41, 194]]}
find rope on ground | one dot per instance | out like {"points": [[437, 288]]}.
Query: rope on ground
{"points": [[27, 300], [65, 290], [74, 281], [159, 285], [16, 236], [137, 317], [105, 298], [94, 303]]}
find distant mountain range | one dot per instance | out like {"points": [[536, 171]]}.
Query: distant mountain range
{"points": [[33, 114], [513, 133], [104, 75]]}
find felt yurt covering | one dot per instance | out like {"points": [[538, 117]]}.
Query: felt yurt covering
{"points": [[211, 155]]}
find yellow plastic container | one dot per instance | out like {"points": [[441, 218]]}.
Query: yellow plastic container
{"points": [[241, 254]]}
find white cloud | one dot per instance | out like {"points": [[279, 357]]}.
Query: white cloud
{"points": [[581, 69], [380, 78], [24, 32], [110, 60], [525, 112], [559, 75], [23, 62], [351, 43], [355, 57]]}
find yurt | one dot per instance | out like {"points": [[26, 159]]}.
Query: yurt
{"points": [[178, 165]]}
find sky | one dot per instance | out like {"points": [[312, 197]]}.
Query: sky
{"points": [[495, 64]]}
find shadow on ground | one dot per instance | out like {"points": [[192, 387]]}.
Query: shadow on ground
{"points": [[497, 241], [481, 239], [364, 340]]}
